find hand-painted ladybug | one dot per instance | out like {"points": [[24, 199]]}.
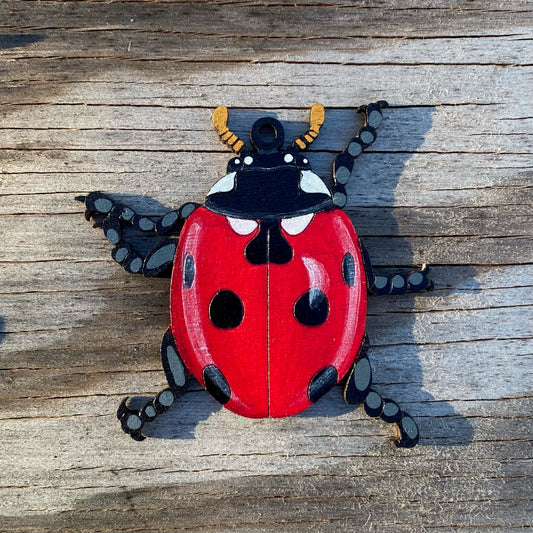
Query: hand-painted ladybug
{"points": [[269, 282]]}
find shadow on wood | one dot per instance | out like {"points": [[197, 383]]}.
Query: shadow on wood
{"points": [[2, 333], [439, 424], [16, 40]]}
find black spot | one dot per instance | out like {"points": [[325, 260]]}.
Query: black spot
{"points": [[257, 249], [322, 382], [312, 308], [348, 269], [216, 384], [188, 271], [269, 245], [279, 250], [226, 310]]}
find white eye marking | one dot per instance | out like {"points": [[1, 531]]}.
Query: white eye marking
{"points": [[288, 158], [237, 161], [248, 160], [296, 225], [242, 226], [310, 182], [305, 161], [225, 184]]}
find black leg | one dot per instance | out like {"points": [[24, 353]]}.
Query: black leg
{"points": [[343, 163], [358, 389], [133, 420], [414, 281], [112, 217]]}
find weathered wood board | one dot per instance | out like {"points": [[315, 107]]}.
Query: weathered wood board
{"points": [[118, 96]]}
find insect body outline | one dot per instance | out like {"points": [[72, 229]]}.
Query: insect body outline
{"points": [[269, 281]]}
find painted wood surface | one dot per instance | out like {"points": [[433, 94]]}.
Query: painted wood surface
{"points": [[118, 96]]}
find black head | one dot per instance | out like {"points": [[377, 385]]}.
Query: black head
{"points": [[268, 182]]}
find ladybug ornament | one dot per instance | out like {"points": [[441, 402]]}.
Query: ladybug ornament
{"points": [[269, 281]]}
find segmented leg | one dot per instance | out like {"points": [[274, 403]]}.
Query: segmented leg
{"points": [[414, 281], [343, 163], [358, 389], [112, 217], [132, 420]]}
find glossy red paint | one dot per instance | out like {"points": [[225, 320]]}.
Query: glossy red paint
{"points": [[270, 358]]}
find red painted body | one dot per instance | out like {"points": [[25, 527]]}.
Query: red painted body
{"points": [[270, 358]]}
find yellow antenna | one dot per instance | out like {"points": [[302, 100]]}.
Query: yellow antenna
{"points": [[220, 121], [316, 120]]}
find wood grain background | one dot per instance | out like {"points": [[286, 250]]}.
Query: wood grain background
{"points": [[117, 96]]}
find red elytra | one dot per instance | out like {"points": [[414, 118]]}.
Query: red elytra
{"points": [[269, 358]]}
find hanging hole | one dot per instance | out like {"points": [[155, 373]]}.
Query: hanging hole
{"points": [[267, 134]]}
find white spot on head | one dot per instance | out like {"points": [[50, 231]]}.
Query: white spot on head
{"points": [[237, 161], [305, 160], [248, 160], [310, 182], [225, 184], [295, 225], [288, 158], [242, 226]]}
